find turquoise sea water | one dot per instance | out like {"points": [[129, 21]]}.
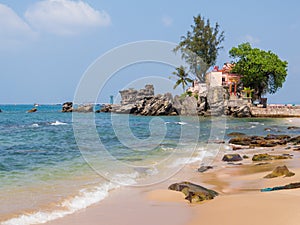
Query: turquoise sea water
{"points": [[47, 172]]}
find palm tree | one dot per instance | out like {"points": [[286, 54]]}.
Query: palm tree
{"points": [[182, 76]]}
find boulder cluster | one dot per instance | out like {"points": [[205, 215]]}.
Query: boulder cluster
{"points": [[213, 102], [271, 140], [68, 107]]}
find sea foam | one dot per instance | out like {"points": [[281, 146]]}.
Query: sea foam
{"points": [[57, 123], [84, 199]]}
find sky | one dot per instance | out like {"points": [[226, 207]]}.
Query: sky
{"points": [[46, 46]]}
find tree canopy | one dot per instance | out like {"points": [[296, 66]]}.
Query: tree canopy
{"points": [[182, 77], [261, 70], [200, 47]]}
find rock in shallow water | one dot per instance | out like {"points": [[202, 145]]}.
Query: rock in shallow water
{"points": [[32, 110], [204, 168], [193, 192]]}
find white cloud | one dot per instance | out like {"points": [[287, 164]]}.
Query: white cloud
{"points": [[252, 40], [65, 17], [12, 27], [167, 21]]}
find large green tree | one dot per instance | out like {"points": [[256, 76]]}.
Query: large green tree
{"points": [[182, 78], [261, 70], [200, 46]]}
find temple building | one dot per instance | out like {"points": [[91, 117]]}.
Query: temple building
{"points": [[224, 77]]}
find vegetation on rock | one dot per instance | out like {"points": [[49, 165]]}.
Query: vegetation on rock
{"points": [[262, 70], [200, 47]]}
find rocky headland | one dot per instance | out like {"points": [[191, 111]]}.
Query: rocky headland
{"points": [[213, 102]]}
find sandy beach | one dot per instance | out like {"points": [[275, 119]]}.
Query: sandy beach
{"points": [[240, 200]]}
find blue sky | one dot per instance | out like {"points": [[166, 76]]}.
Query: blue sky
{"points": [[46, 46]]}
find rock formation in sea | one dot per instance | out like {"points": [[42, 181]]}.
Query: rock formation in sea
{"points": [[68, 107], [214, 101], [32, 110]]}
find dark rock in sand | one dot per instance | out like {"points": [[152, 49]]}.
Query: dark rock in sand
{"points": [[216, 141], [32, 110], [235, 164], [241, 140], [204, 168], [193, 192], [258, 141], [296, 148], [277, 137], [232, 158], [262, 164], [236, 134], [280, 171], [234, 148], [266, 157], [245, 157], [295, 140]]}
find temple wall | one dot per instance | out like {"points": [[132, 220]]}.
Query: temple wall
{"points": [[276, 111]]}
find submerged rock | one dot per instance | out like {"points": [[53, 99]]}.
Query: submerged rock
{"points": [[293, 128], [266, 157], [241, 140], [236, 134], [32, 110], [204, 168], [277, 137], [280, 171], [193, 192], [232, 158]]}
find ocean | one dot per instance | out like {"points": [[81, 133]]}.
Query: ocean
{"points": [[53, 164]]}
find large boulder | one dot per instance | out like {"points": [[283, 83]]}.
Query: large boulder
{"points": [[126, 109], [216, 98], [189, 106], [280, 171], [232, 158], [193, 192], [243, 111]]}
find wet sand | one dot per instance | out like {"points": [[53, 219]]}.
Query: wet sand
{"points": [[240, 200]]}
